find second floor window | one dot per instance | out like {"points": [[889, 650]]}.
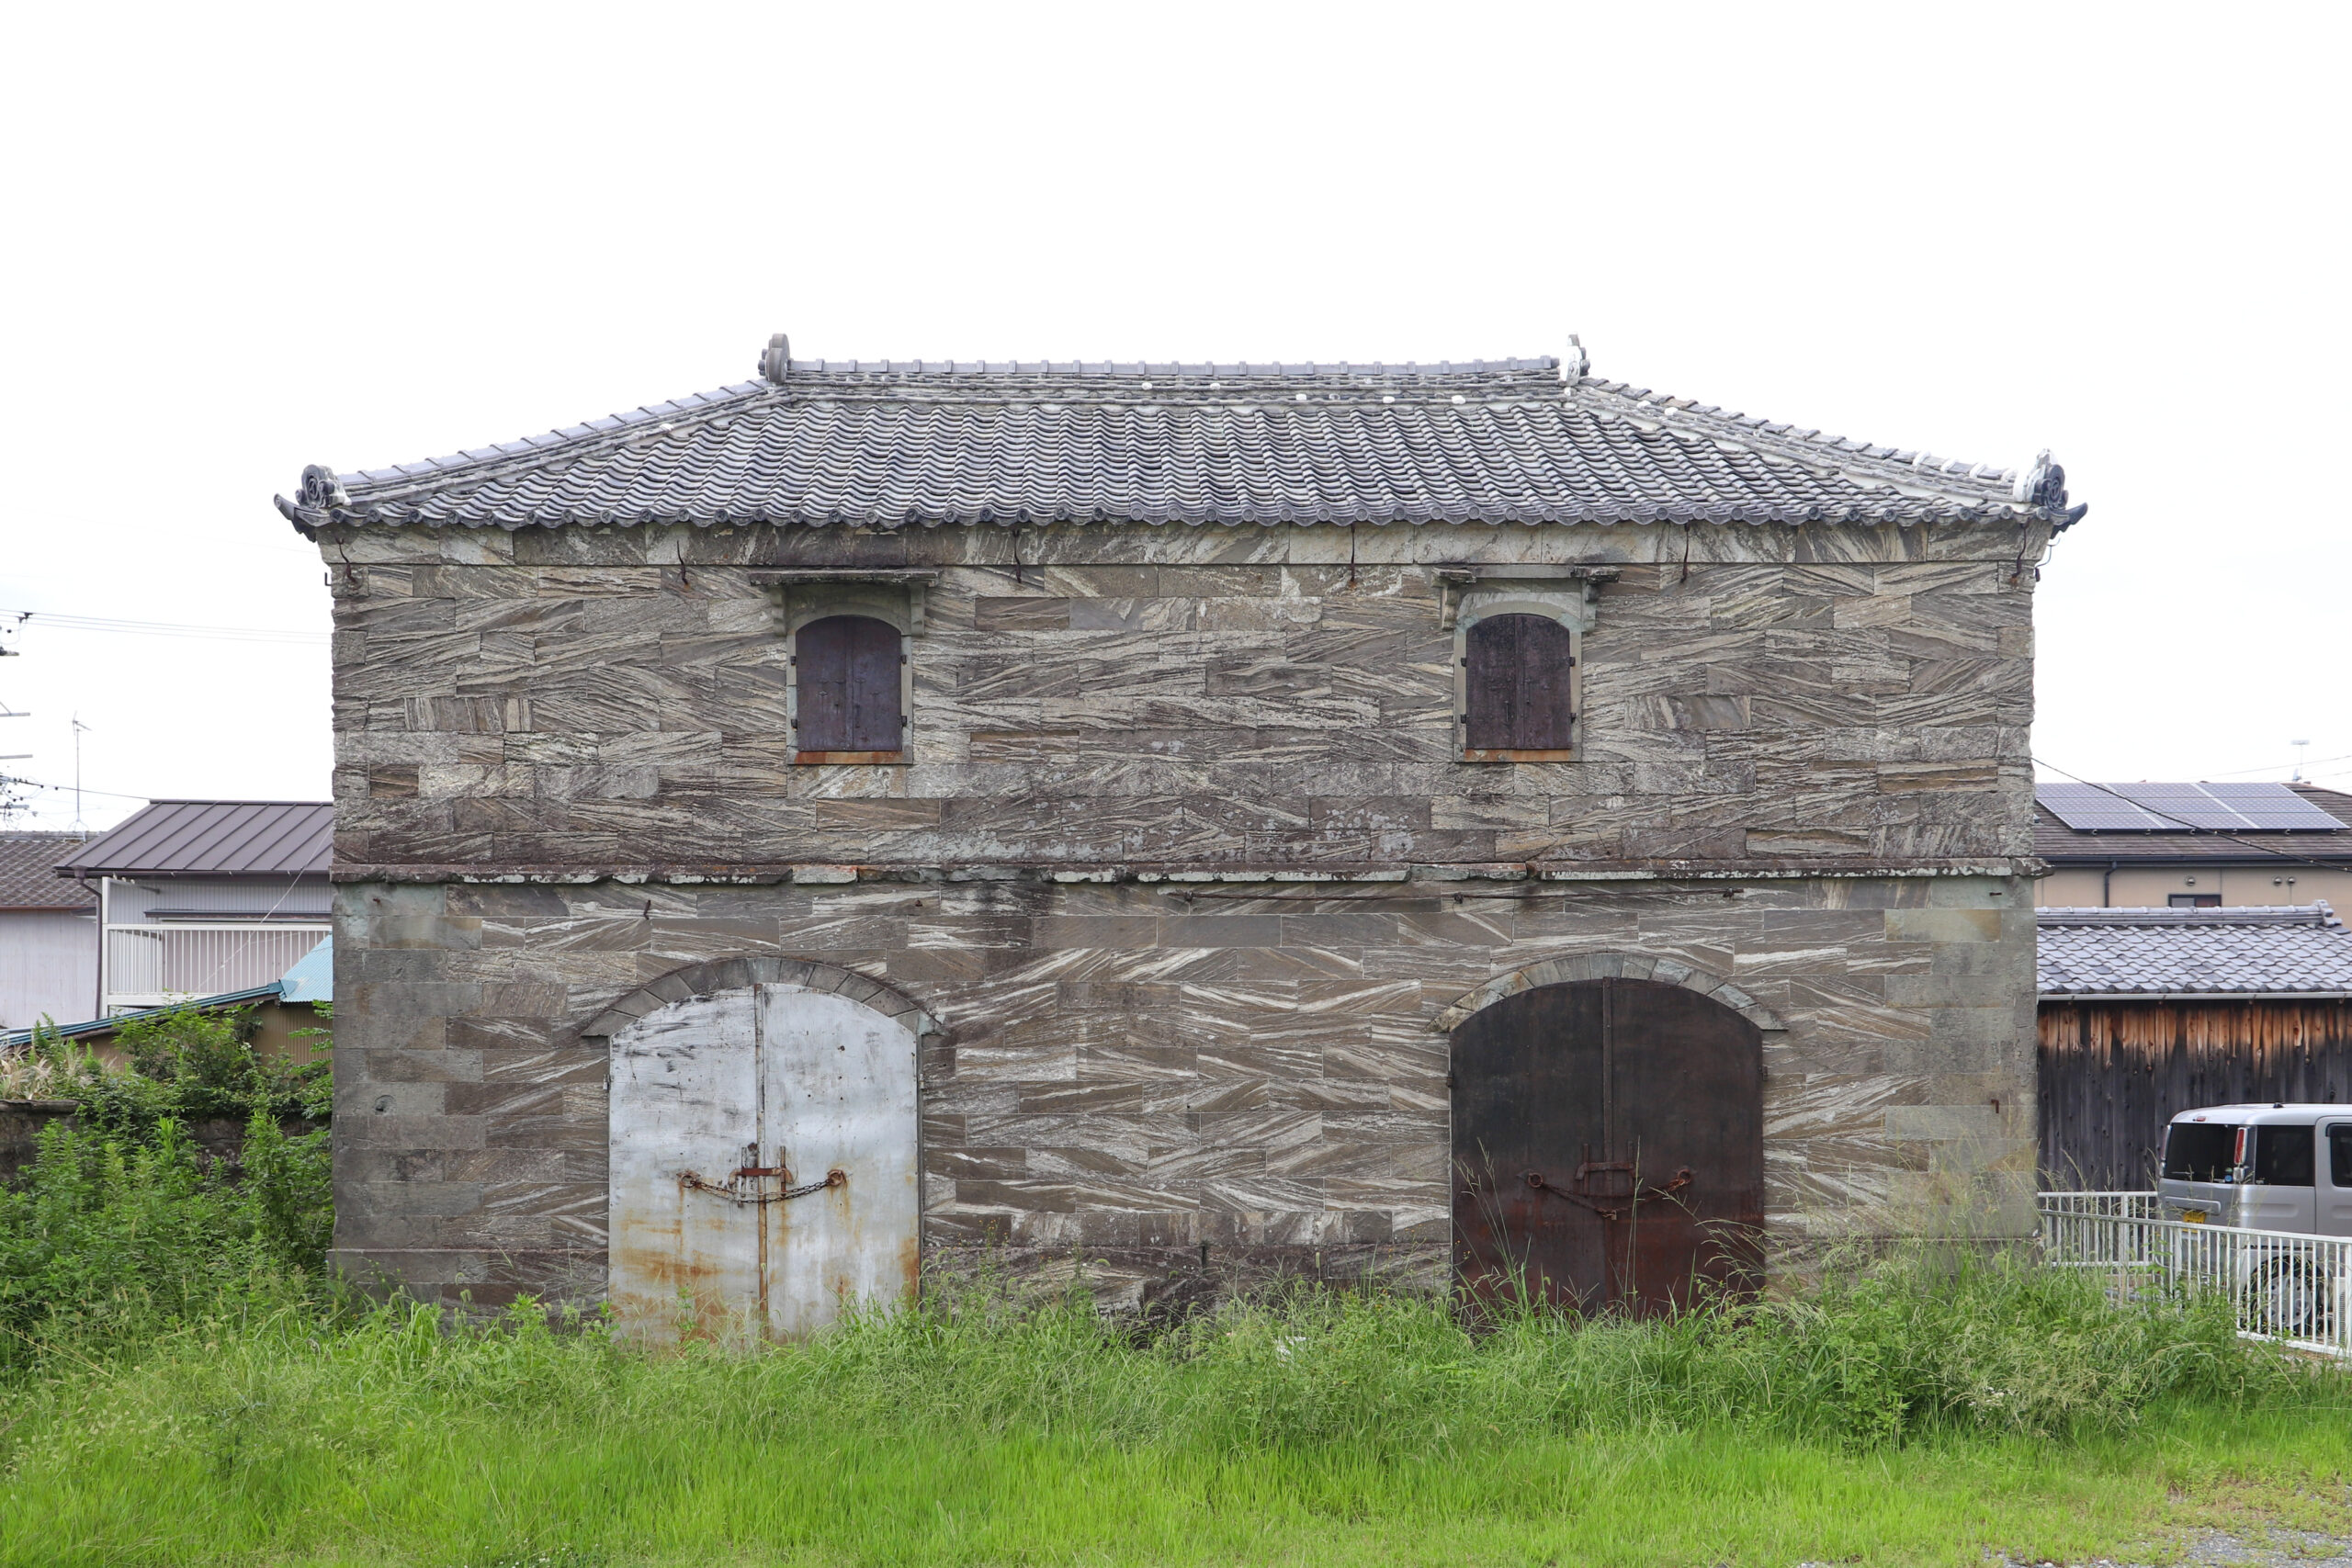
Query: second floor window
{"points": [[1519, 685], [846, 677]]}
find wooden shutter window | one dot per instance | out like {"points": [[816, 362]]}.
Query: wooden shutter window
{"points": [[1519, 681], [846, 678]]}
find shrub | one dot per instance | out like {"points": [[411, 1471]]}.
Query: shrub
{"points": [[195, 1067], [121, 1227], [107, 1239]]}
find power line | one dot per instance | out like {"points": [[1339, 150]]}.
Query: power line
{"points": [[2274, 767], [68, 789], [172, 628]]}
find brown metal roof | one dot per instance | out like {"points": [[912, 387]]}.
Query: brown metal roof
{"points": [[212, 838], [2062, 845], [27, 876]]}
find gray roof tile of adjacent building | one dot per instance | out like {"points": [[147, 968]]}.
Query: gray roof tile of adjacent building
{"points": [[893, 444], [2295, 950], [29, 878], [2062, 845], [211, 838]]}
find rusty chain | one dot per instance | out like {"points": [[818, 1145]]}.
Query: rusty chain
{"points": [[732, 1188], [1682, 1179]]}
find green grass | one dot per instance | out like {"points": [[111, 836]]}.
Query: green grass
{"points": [[182, 1382], [1919, 1412]]}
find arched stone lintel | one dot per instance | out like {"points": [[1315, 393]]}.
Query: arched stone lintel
{"points": [[733, 974], [1607, 966]]}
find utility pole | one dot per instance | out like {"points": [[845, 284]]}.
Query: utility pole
{"points": [[10, 801]]}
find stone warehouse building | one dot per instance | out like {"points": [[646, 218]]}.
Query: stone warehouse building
{"points": [[1195, 820]]}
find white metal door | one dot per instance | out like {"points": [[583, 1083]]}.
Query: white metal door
{"points": [[764, 1163]]}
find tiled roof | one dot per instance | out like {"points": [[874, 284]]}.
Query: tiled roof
{"points": [[2062, 845], [2295, 948], [213, 838], [29, 878], [892, 444]]}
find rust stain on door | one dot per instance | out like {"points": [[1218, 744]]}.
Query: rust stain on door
{"points": [[764, 1164], [1608, 1146]]}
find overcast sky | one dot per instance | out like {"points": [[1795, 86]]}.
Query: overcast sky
{"points": [[244, 240]]}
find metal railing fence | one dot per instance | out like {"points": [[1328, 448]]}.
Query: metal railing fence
{"points": [[154, 965], [2284, 1285], [2103, 1205]]}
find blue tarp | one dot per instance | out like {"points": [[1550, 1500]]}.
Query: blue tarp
{"points": [[312, 978]]}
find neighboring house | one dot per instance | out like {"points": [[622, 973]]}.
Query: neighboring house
{"points": [[200, 898], [48, 934], [288, 1018], [1209, 820], [2192, 845], [282, 1009], [2149, 1012]]}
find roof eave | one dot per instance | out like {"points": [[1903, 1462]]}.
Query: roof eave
{"points": [[2089, 858], [306, 521], [2337, 996]]}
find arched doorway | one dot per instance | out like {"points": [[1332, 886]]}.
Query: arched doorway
{"points": [[1607, 1145], [764, 1167]]}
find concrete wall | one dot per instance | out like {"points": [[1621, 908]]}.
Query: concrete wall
{"points": [[2148, 887], [49, 966], [562, 772]]}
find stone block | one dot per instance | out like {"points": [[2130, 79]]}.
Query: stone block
{"points": [[1943, 925]]}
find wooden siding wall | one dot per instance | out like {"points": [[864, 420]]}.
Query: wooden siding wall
{"points": [[2112, 1074]]}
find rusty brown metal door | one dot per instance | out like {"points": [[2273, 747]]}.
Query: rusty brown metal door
{"points": [[1608, 1146]]}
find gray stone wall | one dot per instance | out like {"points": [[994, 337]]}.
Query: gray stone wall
{"points": [[1125, 1071], [614, 698], [562, 772]]}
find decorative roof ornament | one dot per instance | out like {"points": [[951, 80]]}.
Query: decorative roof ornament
{"points": [[320, 490], [1575, 364], [776, 363], [2044, 486]]}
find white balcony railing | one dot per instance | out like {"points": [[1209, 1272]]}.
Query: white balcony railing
{"points": [[156, 965], [2281, 1284]]}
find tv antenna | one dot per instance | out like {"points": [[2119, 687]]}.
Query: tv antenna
{"points": [[2297, 776], [79, 729]]}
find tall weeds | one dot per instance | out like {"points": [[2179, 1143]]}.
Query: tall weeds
{"points": [[981, 1429], [122, 1229]]}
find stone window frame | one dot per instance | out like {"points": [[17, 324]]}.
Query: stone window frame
{"points": [[894, 597], [1567, 594]]}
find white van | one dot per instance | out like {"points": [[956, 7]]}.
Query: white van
{"points": [[2269, 1167]]}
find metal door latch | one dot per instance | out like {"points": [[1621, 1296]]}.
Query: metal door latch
{"points": [[1609, 1211], [749, 1183]]}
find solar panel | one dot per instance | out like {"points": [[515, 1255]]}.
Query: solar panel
{"points": [[2274, 806], [2180, 807], [2088, 808]]}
